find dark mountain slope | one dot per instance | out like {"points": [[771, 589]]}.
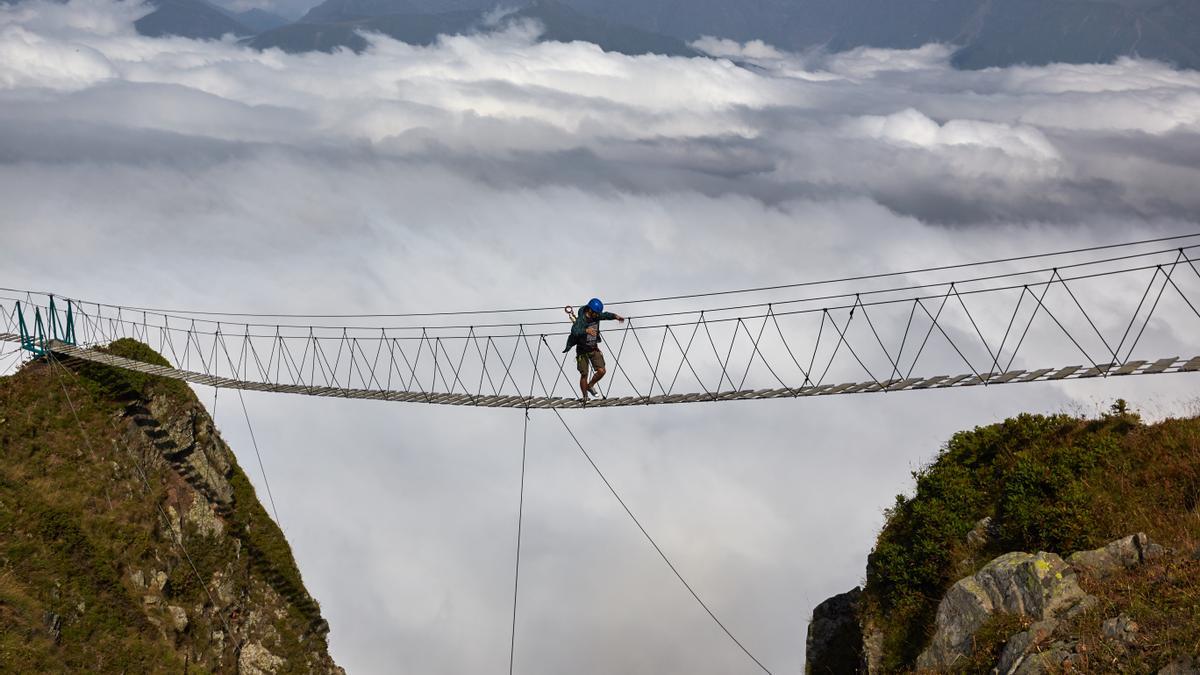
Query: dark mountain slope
{"points": [[1037, 32], [257, 20], [416, 29], [189, 18], [342, 21], [334, 11], [565, 24], [990, 32]]}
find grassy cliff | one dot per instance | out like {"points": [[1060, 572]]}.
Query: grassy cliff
{"points": [[1049, 483], [131, 540]]}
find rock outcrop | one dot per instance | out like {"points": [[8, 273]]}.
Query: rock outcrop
{"points": [[948, 588], [153, 554], [1117, 556], [835, 641], [1014, 657], [1039, 586]]}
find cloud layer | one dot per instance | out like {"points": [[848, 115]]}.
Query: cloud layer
{"points": [[499, 170]]}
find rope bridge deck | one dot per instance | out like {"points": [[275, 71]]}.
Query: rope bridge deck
{"points": [[1161, 366]]}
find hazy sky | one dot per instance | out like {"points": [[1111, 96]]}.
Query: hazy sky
{"points": [[491, 171]]}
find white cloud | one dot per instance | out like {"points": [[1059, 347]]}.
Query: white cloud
{"points": [[495, 170], [912, 128], [91, 18], [28, 59], [731, 49]]}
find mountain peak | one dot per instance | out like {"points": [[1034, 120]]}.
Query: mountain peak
{"points": [[132, 540]]}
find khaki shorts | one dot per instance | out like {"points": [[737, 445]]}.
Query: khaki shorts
{"points": [[594, 357]]}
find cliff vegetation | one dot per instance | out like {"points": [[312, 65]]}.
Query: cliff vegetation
{"points": [[131, 540], [1039, 544]]}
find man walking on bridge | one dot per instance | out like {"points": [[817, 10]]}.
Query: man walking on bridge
{"points": [[585, 336]]}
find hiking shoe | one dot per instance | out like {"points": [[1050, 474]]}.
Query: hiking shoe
{"points": [[592, 391]]}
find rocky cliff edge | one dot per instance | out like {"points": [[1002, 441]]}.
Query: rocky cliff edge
{"points": [[130, 538]]}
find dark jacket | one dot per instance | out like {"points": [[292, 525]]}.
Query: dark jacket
{"points": [[579, 337]]}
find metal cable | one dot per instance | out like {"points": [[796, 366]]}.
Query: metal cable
{"points": [[653, 543], [512, 644], [662, 315], [1149, 314], [688, 296], [261, 467]]}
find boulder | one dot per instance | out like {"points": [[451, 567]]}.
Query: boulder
{"points": [[1021, 644], [158, 581], [1059, 657], [179, 618], [1039, 586], [1116, 556], [981, 534], [835, 640], [1121, 629], [255, 659], [203, 516], [54, 624], [1040, 662]]}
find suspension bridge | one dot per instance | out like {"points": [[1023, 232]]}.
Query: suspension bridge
{"points": [[1097, 312], [1110, 310]]}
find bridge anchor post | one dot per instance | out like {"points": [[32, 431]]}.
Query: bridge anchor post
{"points": [[36, 341]]}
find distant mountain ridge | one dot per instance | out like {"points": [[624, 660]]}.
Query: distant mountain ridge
{"points": [[340, 24], [258, 20], [1082, 31], [988, 32], [191, 19]]}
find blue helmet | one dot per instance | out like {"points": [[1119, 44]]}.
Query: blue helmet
{"points": [[595, 305]]}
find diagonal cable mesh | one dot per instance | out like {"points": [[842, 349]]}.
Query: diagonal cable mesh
{"points": [[907, 334]]}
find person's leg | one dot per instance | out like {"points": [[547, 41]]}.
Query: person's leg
{"points": [[598, 367], [597, 377], [581, 363]]}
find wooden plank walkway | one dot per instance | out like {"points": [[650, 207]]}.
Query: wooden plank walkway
{"points": [[1161, 366]]}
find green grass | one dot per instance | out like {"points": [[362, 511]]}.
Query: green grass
{"points": [[122, 384], [1051, 483], [76, 519], [989, 643], [1163, 597], [61, 547]]}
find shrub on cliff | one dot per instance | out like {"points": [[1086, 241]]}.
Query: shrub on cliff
{"points": [[1049, 483]]}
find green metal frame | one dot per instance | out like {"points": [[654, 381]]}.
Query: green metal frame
{"points": [[36, 341]]}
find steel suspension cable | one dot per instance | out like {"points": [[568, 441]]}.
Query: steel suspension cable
{"points": [[649, 538], [653, 543], [1150, 314], [253, 439], [512, 644], [261, 467], [686, 296], [662, 315]]}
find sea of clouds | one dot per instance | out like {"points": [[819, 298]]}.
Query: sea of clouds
{"points": [[496, 170]]}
